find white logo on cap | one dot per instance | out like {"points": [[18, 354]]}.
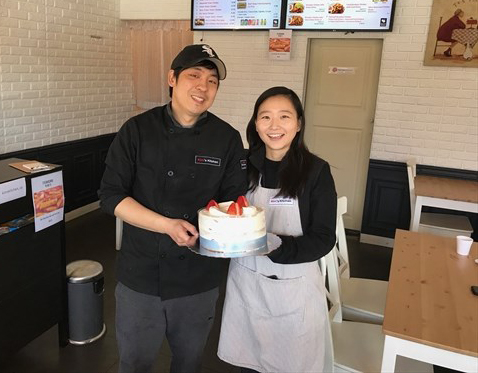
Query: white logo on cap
{"points": [[208, 50]]}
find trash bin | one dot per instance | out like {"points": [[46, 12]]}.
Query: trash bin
{"points": [[85, 301]]}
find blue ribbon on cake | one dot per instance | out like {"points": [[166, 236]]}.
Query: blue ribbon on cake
{"points": [[252, 245]]}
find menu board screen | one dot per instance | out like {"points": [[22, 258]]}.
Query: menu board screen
{"points": [[337, 15], [236, 14]]}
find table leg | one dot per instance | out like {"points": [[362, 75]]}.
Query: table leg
{"points": [[416, 215], [389, 356], [427, 354]]}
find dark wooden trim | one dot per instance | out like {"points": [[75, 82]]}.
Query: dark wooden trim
{"points": [[387, 200], [352, 232], [83, 164], [447, 172], [386, 205], [63, 320]]}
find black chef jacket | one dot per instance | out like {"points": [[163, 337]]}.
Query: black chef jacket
{"points": [[174, 171]]}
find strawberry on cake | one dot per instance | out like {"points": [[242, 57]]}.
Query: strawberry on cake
{"points": [[232, 228]]}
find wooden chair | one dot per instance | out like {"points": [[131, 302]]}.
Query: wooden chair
{"points": [[362, 299], [356, 346], [119, 233], [439, 224]]}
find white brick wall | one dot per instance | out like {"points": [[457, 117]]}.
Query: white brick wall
{"points": [[65, 71], [155, 9], [430, 113], [57, 83]]}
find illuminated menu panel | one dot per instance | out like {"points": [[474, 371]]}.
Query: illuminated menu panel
{"points": [[236, 14], [339, 15]]}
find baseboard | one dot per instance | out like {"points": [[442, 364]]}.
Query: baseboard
{"points": [[376, 240], [82, 211], [352, 232]]}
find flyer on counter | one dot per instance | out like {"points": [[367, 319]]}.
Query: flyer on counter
{"points": [[12, 190], [15, 224], [48, 199], [31, 166], [279, 44]]}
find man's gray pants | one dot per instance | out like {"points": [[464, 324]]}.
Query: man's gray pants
{"points": [[143, 320]]}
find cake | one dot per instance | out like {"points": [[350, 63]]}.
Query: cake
{"points": [[232, 228]]}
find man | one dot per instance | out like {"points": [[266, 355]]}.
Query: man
{"points": [[162, 167]]}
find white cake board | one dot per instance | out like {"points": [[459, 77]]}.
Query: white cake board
{"points": [[220, 254]]}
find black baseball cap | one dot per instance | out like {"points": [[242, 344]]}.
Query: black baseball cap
{"points": [[193, 54]]}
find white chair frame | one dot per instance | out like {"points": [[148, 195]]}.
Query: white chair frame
{"points": [[362, 299], [443, 224], [119, 233], [356, 346]]}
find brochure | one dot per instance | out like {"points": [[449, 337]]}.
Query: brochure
{"points": [[31, 166]]}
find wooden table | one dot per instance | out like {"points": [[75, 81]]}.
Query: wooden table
{"points": [[452, 194], [431, 314], [468, 37]]}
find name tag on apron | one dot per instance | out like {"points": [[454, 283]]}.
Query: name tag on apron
{"points": [[281, 201]]}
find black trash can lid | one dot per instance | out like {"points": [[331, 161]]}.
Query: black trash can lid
{"points": [[83, 271]]}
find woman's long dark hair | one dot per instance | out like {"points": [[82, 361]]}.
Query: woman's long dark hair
{"points": [[297, 162]]}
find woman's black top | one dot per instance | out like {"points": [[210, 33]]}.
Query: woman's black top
{"points": [[270, 176], [317, 206]]}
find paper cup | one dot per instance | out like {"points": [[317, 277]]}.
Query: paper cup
{"points": [[463, 245]]}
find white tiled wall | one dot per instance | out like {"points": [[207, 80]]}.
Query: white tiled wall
{"points": [[65, 71], [155, 9], [427, 112]]}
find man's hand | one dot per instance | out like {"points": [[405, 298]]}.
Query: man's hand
{"points": [[181, 232]]}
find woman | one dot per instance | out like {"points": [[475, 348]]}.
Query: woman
{"points": [[275, 312], [445, 31]]}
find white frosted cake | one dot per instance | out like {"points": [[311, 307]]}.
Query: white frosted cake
{"points": [[232, 228]]}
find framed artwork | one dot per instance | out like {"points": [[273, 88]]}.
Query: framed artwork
{"points": [[453, 34]]}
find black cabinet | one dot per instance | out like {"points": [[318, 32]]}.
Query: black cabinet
{"points": [[387, 199], [83, 164], [32, 273]]}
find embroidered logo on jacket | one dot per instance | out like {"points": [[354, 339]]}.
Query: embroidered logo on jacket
{"points": [[204, 159], [281, 201], [243, 164]]}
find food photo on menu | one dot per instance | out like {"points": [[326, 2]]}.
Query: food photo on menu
{"points": [[296, 8], [296, 21], [336, 8]]}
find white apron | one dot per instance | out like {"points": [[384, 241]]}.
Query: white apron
{"points": [[277, 324]]}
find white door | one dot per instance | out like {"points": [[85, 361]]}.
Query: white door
{"points": [[341, 92]]}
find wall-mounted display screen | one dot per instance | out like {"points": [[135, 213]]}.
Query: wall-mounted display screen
{"points": [[236, 14], [340, 15]]}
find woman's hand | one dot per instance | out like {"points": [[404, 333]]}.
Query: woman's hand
{"points": [[181, 232]]}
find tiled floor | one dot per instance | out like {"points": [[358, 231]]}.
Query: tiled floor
{"points": [[92, 237]]}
